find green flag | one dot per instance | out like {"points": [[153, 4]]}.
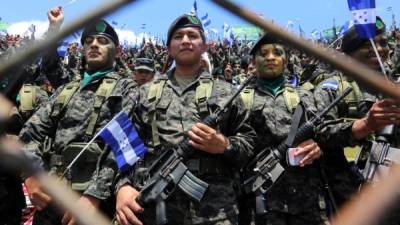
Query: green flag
{"points": [[4, 26], [330, 33], [247, 32]]}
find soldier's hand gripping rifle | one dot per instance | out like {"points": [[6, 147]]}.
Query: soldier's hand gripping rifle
{"points": [[268, 165], [377, 155], [169, 170], [381, 154]]}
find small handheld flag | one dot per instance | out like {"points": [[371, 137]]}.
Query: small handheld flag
{"points": [[364, 17], [124, 141], [194, 7], [62, 49], [206, 20]]}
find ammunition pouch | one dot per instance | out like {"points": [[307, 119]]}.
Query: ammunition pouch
{"points": [[208, 166], [82, 170]]}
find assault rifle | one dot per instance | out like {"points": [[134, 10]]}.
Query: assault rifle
{"points": [[169, 170], [268, 165], [376, 156]]}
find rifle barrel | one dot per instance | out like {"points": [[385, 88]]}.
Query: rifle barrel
{"points": [[332, 104]]}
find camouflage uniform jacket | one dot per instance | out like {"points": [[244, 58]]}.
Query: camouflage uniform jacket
{"points": [[298, 190], [20, 116], [70, 125], [337, 134], [176, 112]]}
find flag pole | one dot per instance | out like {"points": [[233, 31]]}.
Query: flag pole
{"points": [[86, 146], [378, 57]]}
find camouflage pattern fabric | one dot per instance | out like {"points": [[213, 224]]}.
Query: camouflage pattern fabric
{"points": [[298, 191], [71, 124], [344, 178], [334, 137], [40, 98], [177, 111]]}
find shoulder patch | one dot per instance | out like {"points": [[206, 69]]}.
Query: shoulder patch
{"points": [[330, 85], [293, 80]]}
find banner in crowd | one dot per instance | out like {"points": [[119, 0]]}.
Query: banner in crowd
{"points": [[4, 26], [246, 32], [330, 33]]}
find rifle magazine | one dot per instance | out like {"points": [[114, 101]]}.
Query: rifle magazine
{"points": [[193, 186]]}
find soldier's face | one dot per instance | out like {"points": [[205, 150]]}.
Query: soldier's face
{"points": [[100, 52], [366, 53], [143, 76], [236, 69], [270, 61], [186, 46]]}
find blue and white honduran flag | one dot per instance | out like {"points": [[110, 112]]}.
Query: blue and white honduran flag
{"points": [[364, 17], [62, 49], [206, 20], [194, 7], [346, 26], [122, 137]]}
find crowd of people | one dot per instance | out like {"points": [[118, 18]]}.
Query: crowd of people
{"points": [[167, 89]]}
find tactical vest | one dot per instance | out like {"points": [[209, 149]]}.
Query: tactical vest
{"points": [[84, 167], [102, 94], [352, 101], [203, 92], [290, 95]]}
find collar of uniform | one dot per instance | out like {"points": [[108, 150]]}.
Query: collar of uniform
{"points": [[113, 74], [89, 78], [202, 74], [272, 86]]}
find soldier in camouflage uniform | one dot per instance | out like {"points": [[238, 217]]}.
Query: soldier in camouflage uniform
{"points": [[188, 96], [144, 71], [71, 117], [358, 116], [296, 198]]}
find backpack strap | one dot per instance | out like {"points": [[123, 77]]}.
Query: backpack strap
{"points": [[247, 96], [353, 99], [64, 97], [102, 93], [308, 86], [292, 98], [203, 92], [153, 97]]}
